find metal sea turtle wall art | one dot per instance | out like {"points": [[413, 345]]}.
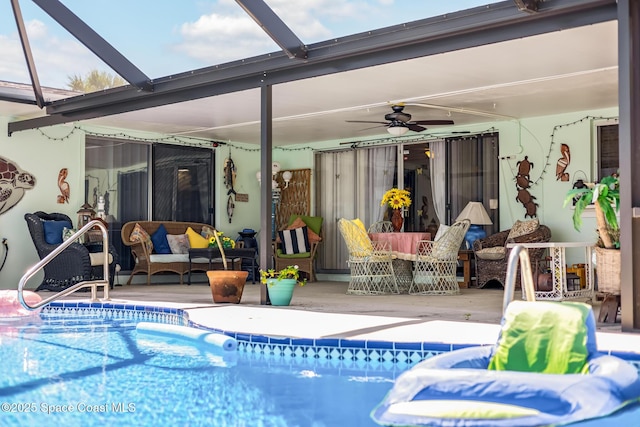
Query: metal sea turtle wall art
{"points": [[523, 182], [14, 181]]}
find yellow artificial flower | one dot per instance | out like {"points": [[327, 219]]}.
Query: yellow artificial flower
{"points": [[396, 198]]}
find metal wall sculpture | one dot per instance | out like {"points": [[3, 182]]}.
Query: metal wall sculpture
{"points": [[563, 163], [523, 182], [13, 183], [63, 185]]}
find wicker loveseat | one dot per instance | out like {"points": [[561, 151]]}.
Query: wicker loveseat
{"points": [[492, 256], [152, 263]]}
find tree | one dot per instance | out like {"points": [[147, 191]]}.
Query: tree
{"points": [[94, 81]]}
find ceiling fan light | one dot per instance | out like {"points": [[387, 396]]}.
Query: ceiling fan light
{"points": [[397, 130]]}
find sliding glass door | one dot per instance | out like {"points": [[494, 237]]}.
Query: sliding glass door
{"points": [[442, 177], [141, 181]]}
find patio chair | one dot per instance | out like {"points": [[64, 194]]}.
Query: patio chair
{"points": [[381, 227], [370, 261], [75, 264], [492, 255], [434, 270], [304, 259]]}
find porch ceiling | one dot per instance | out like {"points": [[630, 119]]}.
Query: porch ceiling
{"points": [[558, 72]]}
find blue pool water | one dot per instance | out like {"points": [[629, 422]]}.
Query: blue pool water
{"points": [[94, 371], [90, 369]]}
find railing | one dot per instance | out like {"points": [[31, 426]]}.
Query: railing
{"points": [[521, 253], [71, 289]]}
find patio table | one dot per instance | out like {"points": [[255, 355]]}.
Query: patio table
{"points": [[403, 247]]}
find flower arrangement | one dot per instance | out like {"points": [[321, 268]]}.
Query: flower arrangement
{"points": [[396, 198], [227, 242], [289, 272]]}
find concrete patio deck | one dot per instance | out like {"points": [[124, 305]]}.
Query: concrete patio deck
{"points": [[323, 309]]}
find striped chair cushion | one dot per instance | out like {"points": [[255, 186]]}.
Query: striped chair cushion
{"points": [[295, 241]]}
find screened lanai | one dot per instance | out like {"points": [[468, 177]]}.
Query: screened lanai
{"points": [[479, 62]]}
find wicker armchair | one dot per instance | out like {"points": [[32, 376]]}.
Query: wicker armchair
{"points": [[71, 266], [434, 271], [370, 262], [488, 269]]}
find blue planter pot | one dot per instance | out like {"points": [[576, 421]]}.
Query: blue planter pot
{"points": [[280, 291]]}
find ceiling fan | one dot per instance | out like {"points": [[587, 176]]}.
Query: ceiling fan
{"points": [[399, 122]]}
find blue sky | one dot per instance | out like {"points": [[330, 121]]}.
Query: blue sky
{"points": [[163, 37]]}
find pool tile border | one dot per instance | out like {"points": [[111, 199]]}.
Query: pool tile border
{"points": [[360, 354]]}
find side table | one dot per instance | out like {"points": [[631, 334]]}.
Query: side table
{"points": [[465, 256], [230, 254]]}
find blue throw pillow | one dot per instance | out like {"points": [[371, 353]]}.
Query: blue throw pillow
{"points": [[160, 242], [295, 241], [53, 231]]}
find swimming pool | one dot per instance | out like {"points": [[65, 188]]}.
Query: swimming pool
{"points": [[82, 365], [90, 369]]}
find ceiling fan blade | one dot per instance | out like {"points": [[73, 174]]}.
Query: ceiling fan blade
{"points": [[367, 128], [433, 122], [415, 127], [364, 121]]}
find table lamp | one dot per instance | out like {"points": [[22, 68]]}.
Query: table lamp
{"points": [[478, 216]]}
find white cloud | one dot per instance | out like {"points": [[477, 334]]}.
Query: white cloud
{"points": [[13, 66], [55, 59], [36, 29], [229, 34]]}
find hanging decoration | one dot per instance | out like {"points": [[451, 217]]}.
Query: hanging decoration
{"points": [[230, 182], [63, 185], [230, 206], [523, 182], [13, 184], [230, 175], [562, 164]]}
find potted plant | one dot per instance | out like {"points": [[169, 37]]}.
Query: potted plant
{"points": [[227, 285], [605, 196], [396, 199], [280, 284], [227, 242]]}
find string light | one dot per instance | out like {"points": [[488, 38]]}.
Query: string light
{"points": [[176, 140], [553, 142]]}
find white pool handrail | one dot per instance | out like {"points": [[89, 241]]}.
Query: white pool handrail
{"points": [[89, 283], [521, 253]]}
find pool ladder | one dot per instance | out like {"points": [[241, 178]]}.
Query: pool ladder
{"points": [[71, 289], [520, 253]]}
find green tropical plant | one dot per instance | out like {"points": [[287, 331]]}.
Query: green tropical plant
{"points": [[94, 81], [290, 272], [605, 196]]}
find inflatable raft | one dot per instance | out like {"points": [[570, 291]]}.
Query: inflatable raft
{"points": [[544, 370]]}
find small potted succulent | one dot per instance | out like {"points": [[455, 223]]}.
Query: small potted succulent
{"points": [[280, 284]]}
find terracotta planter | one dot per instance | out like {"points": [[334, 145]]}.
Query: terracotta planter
{"points": [[227, 285], [281, 291], [397, 220]]}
